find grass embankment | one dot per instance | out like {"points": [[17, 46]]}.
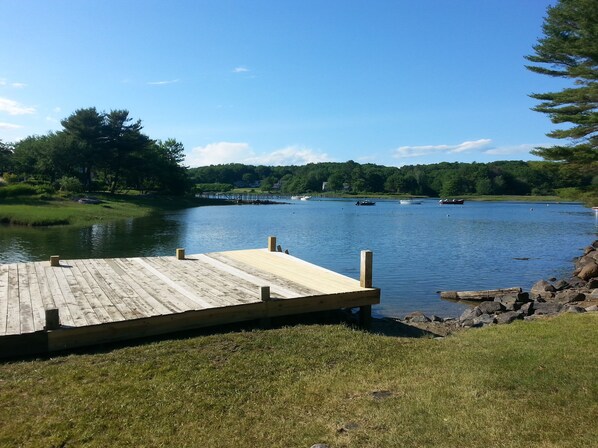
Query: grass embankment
{"points": [[56, 210], [528, 384]]}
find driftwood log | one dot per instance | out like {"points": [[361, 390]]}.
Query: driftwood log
{"points": [[488, 294]]}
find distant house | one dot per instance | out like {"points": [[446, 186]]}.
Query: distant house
{"points": [[324, 186]]}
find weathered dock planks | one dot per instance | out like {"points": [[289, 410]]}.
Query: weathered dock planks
{"points": [[103, 300]]}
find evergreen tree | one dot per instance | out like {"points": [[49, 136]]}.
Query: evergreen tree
{"points": [[569, 49]]}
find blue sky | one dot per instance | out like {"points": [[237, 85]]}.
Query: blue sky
{"points": [[397, 82]]}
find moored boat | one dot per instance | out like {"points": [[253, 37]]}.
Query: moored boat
{"points": [[451, 201], [366, 202]]}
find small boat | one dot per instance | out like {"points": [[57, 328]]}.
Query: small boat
{"points": [[305, 198], [451, 201], [295, 198], [409, 202], [366, 202]]}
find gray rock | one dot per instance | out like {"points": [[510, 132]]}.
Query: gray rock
{"points": [[320, 445], [508, 317], [467, 323], [490, 307], [542, 287], [569, 295], [547, 308], [592, 309], [470, 314], [510, 305], [576, 282], [592, 283], [589, 271], [417, 316], [561, 284], [576, 309], [588, 250], [484, 319], [435, 318], [595, 244], [527, 308], [593, 294]]}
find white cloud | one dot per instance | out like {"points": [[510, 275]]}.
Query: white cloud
{"points": [[162, 83], [419, 151], [18, 85], [9, 126], [240, 69], [13, 108], [229, 152]]}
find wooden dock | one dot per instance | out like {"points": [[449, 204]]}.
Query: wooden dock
{"points": [[63, 304]]}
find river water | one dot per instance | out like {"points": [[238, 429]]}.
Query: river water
{"points": [[418, 249]]}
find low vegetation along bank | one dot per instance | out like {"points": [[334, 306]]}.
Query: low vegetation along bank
{"points": [[529, 384], [57, 210]]}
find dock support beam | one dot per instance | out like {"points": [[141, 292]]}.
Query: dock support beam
{"points": [[55, 260], [365, 281], [180, 254], [265, 293], [52, 319], [272, 243]]}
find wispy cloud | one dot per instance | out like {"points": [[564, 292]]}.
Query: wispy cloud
{"points": [[163, 83], [419, 151], [12, 107], [7, 126], [229, 152], [14, 85], [241, 69]]}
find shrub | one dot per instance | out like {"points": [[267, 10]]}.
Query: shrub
{"points": [[17, 190], [70, 184]]}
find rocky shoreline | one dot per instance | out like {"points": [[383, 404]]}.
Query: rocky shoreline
{"points": [[576, 294]]}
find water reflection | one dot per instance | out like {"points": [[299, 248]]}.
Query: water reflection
{"points": [[418, 250]]}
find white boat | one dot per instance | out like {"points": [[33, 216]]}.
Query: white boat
{"points": [[409, 201], [296, 198], [305, 198]]}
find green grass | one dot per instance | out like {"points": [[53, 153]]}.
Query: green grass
{"points": [[528, 384], [55, 210]]}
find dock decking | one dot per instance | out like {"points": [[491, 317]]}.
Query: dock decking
{"points": [[104, 300]]}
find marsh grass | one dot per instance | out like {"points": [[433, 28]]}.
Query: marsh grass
{"points": [[57, 210], [529, 384]]}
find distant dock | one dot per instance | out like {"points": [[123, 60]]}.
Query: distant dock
{"points": [[64, 304]]}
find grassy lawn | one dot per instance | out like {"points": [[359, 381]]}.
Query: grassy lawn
{"points": [[32, 211], [528, 384]]}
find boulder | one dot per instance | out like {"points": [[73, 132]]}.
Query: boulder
{"points": [[508, 317], [592, 309], [484, 319], [417, 316], [569, 295], [469, 314], [588, 249], [527, 308], [595, 244], [561, 285], [589, 271], [576, 309], [542, 287], [593, 294], [541, 308], [592, 283], [490, 307]]}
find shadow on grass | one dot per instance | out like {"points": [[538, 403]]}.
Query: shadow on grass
{"points": [[379, 326]]}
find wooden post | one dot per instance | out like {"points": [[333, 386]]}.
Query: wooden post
{"points": [[55, 260], [180, 254], [365, 316], [272, 243], [365, 274], [265, 293], [52, 319]]}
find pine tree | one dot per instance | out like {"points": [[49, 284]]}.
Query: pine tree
{"points": [[569, 50]]}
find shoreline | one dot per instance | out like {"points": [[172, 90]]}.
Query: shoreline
{"points": [[577, 293]]}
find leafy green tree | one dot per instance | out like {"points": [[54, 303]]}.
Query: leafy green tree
{"points": [[569, 50], [6, 155]]}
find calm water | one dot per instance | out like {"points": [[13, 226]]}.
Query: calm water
{"points": [[418, 249]]}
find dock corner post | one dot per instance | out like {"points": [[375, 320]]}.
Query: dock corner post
{"points": [[272, 243], [365, 273], [180, 254], [265, 321], [365, 316], [55, 260], [52, 319]]}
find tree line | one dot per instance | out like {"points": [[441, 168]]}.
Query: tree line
{"points": [[441, 179], [99, 151]]}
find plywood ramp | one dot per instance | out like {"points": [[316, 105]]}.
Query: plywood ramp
{"points": [[103, 300]]}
